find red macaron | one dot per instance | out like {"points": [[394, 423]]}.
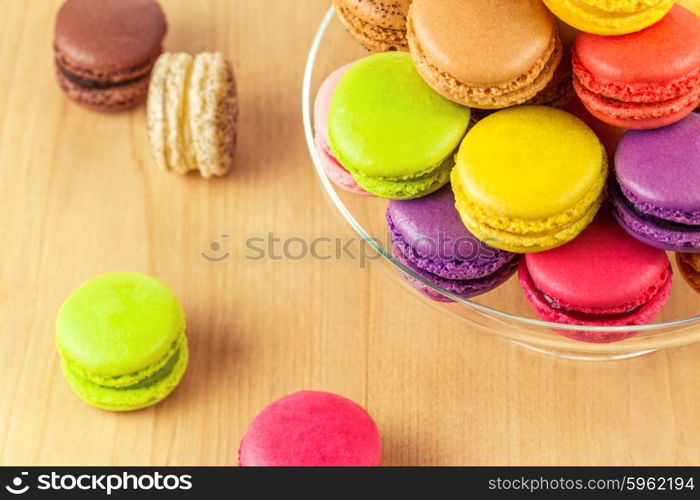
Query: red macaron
{"points": [[311, 428], [642, 80], [604, 277]]}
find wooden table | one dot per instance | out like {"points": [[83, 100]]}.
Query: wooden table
{"points": [[79, 196]]}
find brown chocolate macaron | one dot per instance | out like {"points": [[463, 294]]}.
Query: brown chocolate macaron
{"points": [[484, 54], [105, 50], [689, 267], [379, 25]]}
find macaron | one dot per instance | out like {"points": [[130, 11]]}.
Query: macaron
{"points": [[692, 5], [558, 93], [642, 80], [121, 338], [311, 429], [429, 238], [391, 131], [193, 113], [689, 267], [602, 278], [334, 170], [481, 53], [656, 186], [605, 17], [529, 178], [379, 25], [105, 50], [608, 134]]}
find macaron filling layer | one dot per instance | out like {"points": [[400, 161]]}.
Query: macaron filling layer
{"points": [[628, 113], [516, 91], [620, 16], [139, 395], [405, 187], [96, 84], [130, 379], [671, 219], [651, 229]]}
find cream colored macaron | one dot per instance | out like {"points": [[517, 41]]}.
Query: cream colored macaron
{"points": [[193, 113]]}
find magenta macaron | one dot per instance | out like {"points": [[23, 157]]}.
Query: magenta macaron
{"points": [[331, 166], [311, 429], [604, 277]]}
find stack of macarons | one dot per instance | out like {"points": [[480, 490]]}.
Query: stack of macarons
{"points": [[109, 58], [536, 123]]}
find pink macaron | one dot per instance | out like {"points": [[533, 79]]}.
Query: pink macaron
{"points": [[311, 429], [605, 277], [334, 170]]}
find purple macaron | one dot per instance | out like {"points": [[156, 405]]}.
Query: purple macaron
{"points": [[656, 187], [430, 239]]}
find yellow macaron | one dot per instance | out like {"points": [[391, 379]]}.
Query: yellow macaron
{"points": [[529, 178], [692, 5], [609, 17]]}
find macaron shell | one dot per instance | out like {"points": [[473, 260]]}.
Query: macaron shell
{"points": [[129, 399], [504, 40], [385, 13], [640, 316], [459, 63], [639, 116], [665, 237], [311, 428], [465, 288], [406, 188], [660, 169], [118, 323], [530, 162], [337, 174], [334, 170], [529, 178], [431, 235], [608, 134], [609, 18], [386, 122], [689, 267], [692, 5], [109, 40], [119, 98], [379, 26], [213, 113], [603, 271], [193, 113], [642, 80]]}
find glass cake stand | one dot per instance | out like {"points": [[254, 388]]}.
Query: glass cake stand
{"points": [[504, 311]]}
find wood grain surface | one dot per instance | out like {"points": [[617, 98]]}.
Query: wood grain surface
{"points": [[79, 196]]}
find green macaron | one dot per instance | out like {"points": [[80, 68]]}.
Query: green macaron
{"points": [[121, 338], [392, 132]]}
